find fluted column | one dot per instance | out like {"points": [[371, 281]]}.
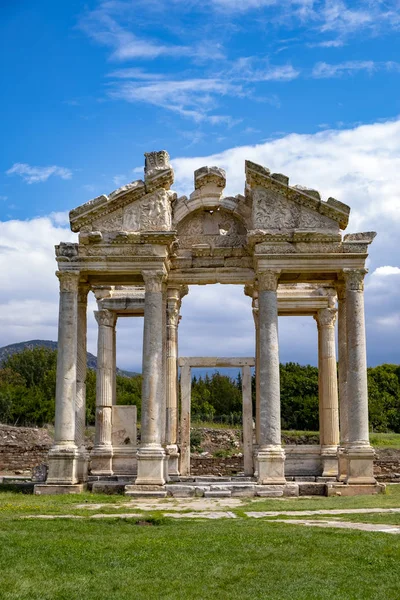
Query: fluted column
{"points": [[151, 454], [173, 306], [270, 457], [360, 455], [343, 399], [63, 456], [186, 390], [81, 372], [101, 459], [247, 412], [328, 391]]}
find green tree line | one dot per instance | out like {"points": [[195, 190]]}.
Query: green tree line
{"points": [[28, 379]]}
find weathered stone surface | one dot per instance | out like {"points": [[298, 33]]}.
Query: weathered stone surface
{"points": [[312, 489]]}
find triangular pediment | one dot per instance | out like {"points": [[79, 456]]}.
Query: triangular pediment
{"points": [[137, 206], [276, 206]]}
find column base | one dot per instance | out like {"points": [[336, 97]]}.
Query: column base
{"points": [[124, 461], [101, 460], [83, 465], [173, 459], [329, 459], [271, 465], [150, 461], [342, 464], [360, 465], [63, 465]]}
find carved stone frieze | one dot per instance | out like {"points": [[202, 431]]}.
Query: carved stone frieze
{"points": [[69, 280], [112, 222], [67, 250]]}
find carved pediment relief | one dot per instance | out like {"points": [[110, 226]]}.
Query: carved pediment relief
{"points": [[273, 211], [216, 228]]}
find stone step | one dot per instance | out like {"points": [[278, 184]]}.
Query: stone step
{"points": [[312, 489], [107, 487], [145, 491], [217, 494]]}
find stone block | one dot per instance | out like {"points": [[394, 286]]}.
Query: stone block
{"points": [[42, 489], [133, 492], [39, 473], [305, 479], [339, 489], [180, 491], [269, 491], [312, 489], [108, 487], [245, 491], [291, 490]]}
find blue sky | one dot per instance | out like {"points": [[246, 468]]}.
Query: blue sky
{"points": [[310, 88]]}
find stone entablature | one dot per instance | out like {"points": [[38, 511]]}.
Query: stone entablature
{"points": [[142, 245]]}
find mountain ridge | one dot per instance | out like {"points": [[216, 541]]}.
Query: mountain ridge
{"points": [[10, 349]]}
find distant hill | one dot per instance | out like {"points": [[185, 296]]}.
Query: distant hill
{"points": [[6, 351]]}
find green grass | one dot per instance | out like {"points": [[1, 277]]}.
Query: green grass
{"points": [[385, 440], [70, 560], [161, 558]]}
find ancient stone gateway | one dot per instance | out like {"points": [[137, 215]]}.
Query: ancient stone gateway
{"points": [[140, 247]]}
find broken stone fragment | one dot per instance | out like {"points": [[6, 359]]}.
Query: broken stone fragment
{"points": [[206, 175], [309, 191], [281, 178]]}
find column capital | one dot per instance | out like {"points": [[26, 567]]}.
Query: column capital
{"points": [[173, 307], [83, 290], [106, 318], [354, 279], [340, 288], [326, 317], [69, 280], [153, 280], [268, 280]]}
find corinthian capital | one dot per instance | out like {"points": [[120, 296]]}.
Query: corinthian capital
{"points": [[326, 317], [153, 280], [106, 318], [68, 280], [268, 280], [83, 291], [354, 279]]}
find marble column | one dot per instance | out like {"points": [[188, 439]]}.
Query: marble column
{"points": [[151, 454], [186, 388], [328, 391], [247, 422], [343, 400], [173, 306], [360, 454], [63, 456], [101, 458], [81, 372], [257, 361], [271, 456]]}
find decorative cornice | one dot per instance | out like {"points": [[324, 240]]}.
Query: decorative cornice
{"points": [[69, 280], [354, 279], [268, 280], [105, 318]]}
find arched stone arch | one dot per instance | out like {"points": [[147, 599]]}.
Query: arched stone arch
{"points": [[216, 227]]}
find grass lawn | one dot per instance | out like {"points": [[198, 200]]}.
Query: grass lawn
{"points": [[181, 559]]}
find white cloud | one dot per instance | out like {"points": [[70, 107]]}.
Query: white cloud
{"points": [[193, 98], [38, 174], [358, 166], [325, 70], [386, 270]]}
